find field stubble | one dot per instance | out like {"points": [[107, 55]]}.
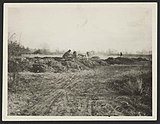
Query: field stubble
{"points": [[103, 91]]}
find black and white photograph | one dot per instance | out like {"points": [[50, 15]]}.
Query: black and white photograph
{"points": [[79, 61]]}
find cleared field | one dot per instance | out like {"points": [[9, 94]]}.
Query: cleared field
{"points": [[104, 91]]}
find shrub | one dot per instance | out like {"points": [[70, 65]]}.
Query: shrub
{"points": [[13, 65], [16, 49]]}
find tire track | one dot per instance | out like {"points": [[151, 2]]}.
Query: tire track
{"points": [[38, 106], [47, 98]]}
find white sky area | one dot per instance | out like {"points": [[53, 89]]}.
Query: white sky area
{"points": [[82, 27]]}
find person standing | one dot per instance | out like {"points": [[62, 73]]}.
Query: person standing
{"points": [[120, 54], [74, 55]]}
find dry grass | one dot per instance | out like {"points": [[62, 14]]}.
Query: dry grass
{"points": [[104, 91]]}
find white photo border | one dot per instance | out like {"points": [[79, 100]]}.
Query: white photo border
{"points": [[5, 117]]}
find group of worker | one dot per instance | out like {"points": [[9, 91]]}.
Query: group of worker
{"points": [[73, 56]]}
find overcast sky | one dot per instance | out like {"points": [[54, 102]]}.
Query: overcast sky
{"points": [[83, 26]]}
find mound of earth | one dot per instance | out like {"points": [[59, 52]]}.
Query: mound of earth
{"points": [[123, 60], [58, 64]]}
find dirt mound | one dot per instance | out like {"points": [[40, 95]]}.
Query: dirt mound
{"points": [[95, 57], [90, 63], [123, 60], [58, 64], [38, 68]]}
